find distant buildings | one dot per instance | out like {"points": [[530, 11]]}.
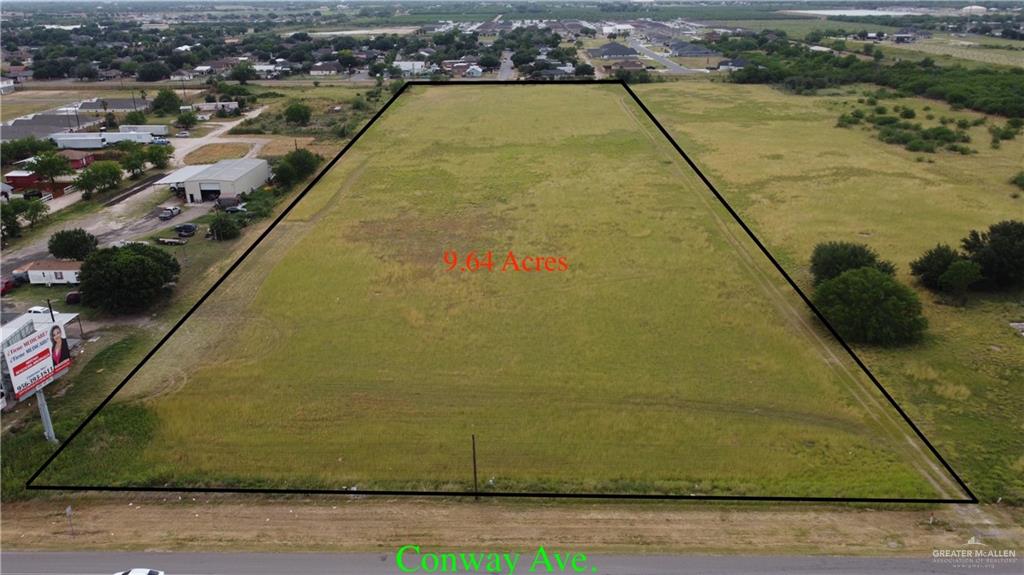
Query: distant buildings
{"points": [[612, 51]]}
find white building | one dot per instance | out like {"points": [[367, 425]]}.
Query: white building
{"points": [[225, 179], [215, 106], [474, 71]]}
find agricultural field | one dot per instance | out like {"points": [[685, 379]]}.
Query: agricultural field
{"points": [[972, 48], [798, 180], [22, 102], [797, 28], [664, 356]]}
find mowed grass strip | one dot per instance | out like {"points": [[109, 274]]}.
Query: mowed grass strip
{"points": [[655, 364], [212, 153]]}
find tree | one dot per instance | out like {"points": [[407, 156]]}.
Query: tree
{"points": [[134, 161], [999, 252], [224, 227], [866, 305], [489, 62], [35, 211], [932, 264], [187, 119], [49, 166], [166, 102], [74, 244], [243, 72], [109, 121], [135, 117], [295, 166], [14, 150], [152, 72], [298, 113], [347, 59], [960, 276], [159, 156], [833, 258], [127, 279], [584, 70], [86, 72], [10, 217], [102, 176]]}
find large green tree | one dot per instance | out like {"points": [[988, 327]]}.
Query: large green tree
{"points": [[159, 156], [867, 305], [73, 244], [830, 259], [128, 279], [166, 102]]}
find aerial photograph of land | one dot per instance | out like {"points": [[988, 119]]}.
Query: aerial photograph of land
{"points": [[542, 287]]}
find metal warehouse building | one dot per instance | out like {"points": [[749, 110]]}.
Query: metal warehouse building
{"points": [[225, 179]]}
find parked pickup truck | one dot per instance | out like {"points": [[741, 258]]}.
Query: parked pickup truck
{"points": [[168, 213]]}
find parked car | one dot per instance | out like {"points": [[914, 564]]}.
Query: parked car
{"points": [[186, 230], [168, 213], [239, 209], [73, 298], [40, 309], [160, 142], [140, 571], [182, 134], [6, 286]]}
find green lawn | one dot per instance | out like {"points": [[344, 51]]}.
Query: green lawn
{"points": [[798, 180], [668, 359]]}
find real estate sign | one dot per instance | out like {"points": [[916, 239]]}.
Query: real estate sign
{"points": [[31, 361]]}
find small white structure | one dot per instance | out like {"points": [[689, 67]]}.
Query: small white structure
{"points": [[474, 71], [155, 129], [97, 140], [225, 179], [51, 271], [6, 86]]}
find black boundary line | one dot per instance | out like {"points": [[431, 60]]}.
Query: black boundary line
{"points": [[282, 491]]}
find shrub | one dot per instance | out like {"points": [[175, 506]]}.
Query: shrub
{"points": [[932, 264], [960, 276], [831, 259], [73, 244], [866, 305], [1018, 180], [298, 113], [907, 113], [224, 227]]}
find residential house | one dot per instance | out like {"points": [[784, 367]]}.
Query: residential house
{"points": [[329, 68], [682, 49], [181, 76], [51, 271], [78, 159], [411, 67], [732, 65], [612, 51]]}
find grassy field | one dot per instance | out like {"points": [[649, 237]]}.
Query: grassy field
{"points": [[798, 180], [22, 102], [666, 359], [800, 27], [211, 153], [971, 48]]}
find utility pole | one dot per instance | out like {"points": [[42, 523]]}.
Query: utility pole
{"points": [[476, 486]]}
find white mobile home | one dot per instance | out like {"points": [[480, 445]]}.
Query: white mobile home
{"points": [[50, 271]]}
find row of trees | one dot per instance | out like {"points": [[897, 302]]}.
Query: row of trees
{"points": [[989, 260]]}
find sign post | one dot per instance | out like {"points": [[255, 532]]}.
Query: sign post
{"points": [[44, 414]]}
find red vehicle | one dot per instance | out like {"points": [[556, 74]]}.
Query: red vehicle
{"points": [[6, 286]]}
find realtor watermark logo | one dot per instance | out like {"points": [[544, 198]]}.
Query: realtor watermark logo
{"points": [[975, 554]]}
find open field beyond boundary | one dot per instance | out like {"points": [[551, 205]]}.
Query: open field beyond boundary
{"points": [[667, 358]]}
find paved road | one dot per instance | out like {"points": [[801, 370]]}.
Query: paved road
{"points": [[506, 71], [90, 563], [670, 66]]}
